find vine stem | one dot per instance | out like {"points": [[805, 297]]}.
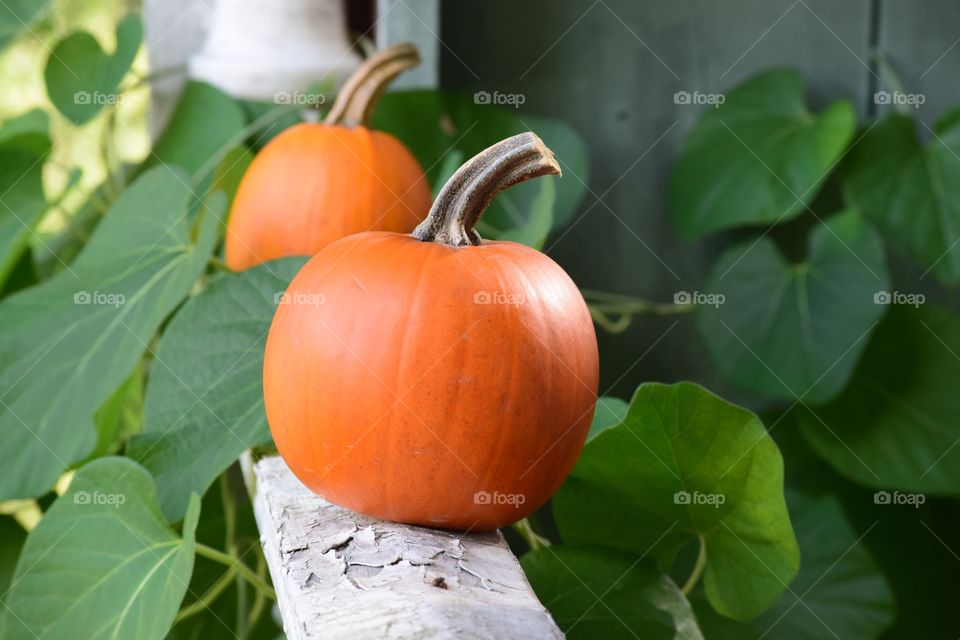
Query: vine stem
{"points": [[614, 312], [230, 561], [697, 568], [209, 597], [533, 539]]}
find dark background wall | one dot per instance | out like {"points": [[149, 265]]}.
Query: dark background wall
{"points": [[611, 67]]}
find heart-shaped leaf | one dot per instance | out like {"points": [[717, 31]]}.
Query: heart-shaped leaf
{"points": [[21, 205], [102, 563], [796, 330], [760, 157], [685, 464], [911, 190], [204, 403], [838, 593], [68, 343], [434, 124], [600, 593], [897, 423], [82, 78]]}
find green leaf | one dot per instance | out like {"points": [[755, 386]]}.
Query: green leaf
{"points": [[600, 593], [102, 563], [760, 157], [897, 423], [609, 412], [204, 403], [796, 330], [685, 464], [22, 203], [533, 232], [434, 124], [67, 344], [120, 416], [82, 78], [17, 16], [910, 190], [839, 592], [200, 129], [29, 131]]}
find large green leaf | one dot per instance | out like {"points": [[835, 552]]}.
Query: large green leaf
{"points": [[600, 593], [17, 15], [201, 130], [434, 124], [839, 592], [67, 344], [686, 464], [898, 422], [760, 157], [796, 330], [82, 78], [29, 131], [102, 563], [204, 402], [22, 203], [911, 190]]}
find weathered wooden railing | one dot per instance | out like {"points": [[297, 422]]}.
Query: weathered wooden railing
{"points": [[339, 574]]}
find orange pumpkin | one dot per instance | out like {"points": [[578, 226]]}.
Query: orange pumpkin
{"points": [[435, 378], [316, 183]]}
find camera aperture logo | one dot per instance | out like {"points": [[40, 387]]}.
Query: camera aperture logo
{"points": [[698, 98], [485, 497], [302, 98], [899, 98], [896, 297], [503, 99], [99, 298], [98, 498], [299, 298], [698, 498], [699, 298], [896, 498], [498, 297]]}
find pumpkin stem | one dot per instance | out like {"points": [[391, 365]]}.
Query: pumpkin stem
{"points": [[360, 93], [469, 191]]}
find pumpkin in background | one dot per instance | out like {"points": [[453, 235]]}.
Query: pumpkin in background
{"points": [[434, 378], [316, 183]]}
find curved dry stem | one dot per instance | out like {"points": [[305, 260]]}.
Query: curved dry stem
{"points": [[359, 95], [469, 191]]}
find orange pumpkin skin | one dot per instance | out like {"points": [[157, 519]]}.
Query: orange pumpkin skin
{"points": [[431, 384], [316, 183]]}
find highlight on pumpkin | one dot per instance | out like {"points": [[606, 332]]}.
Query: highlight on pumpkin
{"points": [[445, 339], [315, 183]]}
